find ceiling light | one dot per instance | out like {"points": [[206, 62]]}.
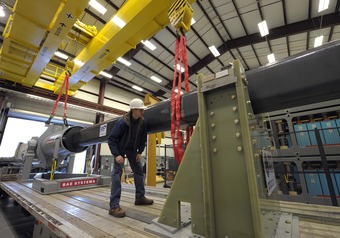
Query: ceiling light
{"points": [[176, 91], [323, 5], [192, 21], [318, 41], [124, 61], [137, 88], [78, 62], [149, 44], [214, 51], [154, 78], [61, 55], [263, 28], [2, 12], [271, 58], [119, 22], [180, 68], [96, 5], [107, 75]]}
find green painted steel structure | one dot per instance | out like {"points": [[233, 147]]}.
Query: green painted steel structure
{"points": [[217, 174]]}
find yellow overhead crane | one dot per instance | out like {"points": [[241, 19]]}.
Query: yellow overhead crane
{"points": [[31, 38]]}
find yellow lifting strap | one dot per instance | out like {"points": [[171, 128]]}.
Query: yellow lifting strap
{"points": [[53, 169], [180, 15]]}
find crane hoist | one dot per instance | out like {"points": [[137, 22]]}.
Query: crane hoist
{"points": [[180, 15]]}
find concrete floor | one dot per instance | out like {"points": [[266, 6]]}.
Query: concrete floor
{"points": [[13, 222]]}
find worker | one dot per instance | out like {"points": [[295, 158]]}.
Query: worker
{"points": [[128, 138]]}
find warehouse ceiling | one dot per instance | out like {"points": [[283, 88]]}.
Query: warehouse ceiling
{"points": [[230, 25]]}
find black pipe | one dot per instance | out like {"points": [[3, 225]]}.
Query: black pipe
{"points": [[158, 118], [310, 77]]}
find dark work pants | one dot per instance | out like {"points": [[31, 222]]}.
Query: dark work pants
{"points": [[116, 187]]}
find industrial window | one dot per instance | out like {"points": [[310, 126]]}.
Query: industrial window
{"points": [[19, 131]]}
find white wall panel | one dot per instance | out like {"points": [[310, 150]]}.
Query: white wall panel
{"points": [[120, 99], [86, 96], [36, 108]]}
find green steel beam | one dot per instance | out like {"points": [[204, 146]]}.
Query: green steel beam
{"points": [[217, 175]]}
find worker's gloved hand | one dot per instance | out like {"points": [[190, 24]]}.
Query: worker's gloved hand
{"points": [[119, 159], [138, 157]]}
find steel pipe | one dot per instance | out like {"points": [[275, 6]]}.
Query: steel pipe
{"points": [[309, 77]]}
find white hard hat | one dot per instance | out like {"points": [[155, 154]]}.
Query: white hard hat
{"points": [[137, 104]]}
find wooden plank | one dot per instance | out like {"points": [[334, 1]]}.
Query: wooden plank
{"points": [[63, 228], [150, 212], [93, 221], [100, 218], [48, 205], [93, 215], [127, 198], [156, 193], [149, 190], [84, 213], [318, 230], [318, 216], [316, 211]]}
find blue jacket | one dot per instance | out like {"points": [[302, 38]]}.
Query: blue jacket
{"points": [[120, 135]]}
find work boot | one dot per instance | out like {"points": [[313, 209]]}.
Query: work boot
{"points": [[143, 201], [117, 212]]}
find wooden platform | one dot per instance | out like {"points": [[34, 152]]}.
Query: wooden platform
{"points": [[84, 213], [315, 221]]}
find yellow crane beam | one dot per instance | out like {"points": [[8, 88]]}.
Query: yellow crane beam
{"points": [[33, 32], [32, 36], [65, 17], [141, 20]]}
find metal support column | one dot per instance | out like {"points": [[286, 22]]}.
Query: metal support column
{"points": [[217, 175], [151, 148], [97, 147], [3, 118], [326, 168], [302, 178]]}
